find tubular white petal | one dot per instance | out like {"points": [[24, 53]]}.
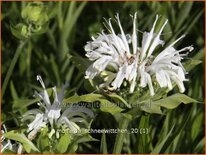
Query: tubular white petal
{"points": [[37, 123], [54, 114], [102, 63], [156, 41], [169, 83], [164, 53], [178, 39], [180, 73], [168, 49], [45, 95], [128, 72], [55, 95], [188, 48], [175, 77], [161, 79], [122, 46], [149, 81], [120, 77], [132, 73], [38, 77], [143, 79], [133, 84], [32, 112], [146, 80], [6, 145], [179, 84], [123, 35], [118, 46], [134, 35], [91, 72], [147, 38]]}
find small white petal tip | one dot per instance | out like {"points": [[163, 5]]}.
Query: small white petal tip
{"points": [[38, 77]]}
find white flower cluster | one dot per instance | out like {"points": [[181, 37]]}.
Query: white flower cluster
{"points": [[118, 57], [53, 114]]}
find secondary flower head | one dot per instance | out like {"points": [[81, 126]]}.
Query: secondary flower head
{"points": [[53, 114], [6, 144], [118, 58]]}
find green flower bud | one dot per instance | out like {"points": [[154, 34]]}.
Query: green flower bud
{"points": [[35, 13], [20, 31]]}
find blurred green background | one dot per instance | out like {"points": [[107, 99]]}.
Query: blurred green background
{"points": [[71, 25]]}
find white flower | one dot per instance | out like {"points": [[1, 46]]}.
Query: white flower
{"points": [[166, 66], [53, 113], [118, 58], [112, 50]]}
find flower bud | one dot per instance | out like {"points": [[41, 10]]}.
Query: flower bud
{"points": [[35, 13], [20, 31]]}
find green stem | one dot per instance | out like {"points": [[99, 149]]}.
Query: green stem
{"points": [[120, 136], [11, 67]]}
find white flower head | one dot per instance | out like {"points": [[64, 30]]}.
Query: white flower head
{"points": [[132, 63], [53, 114]]}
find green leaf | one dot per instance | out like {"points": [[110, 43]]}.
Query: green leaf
{"points": [[43, 140], [173, 101], [183, 14], [20, 137], [105, 105], [13, 91], [20, 103], [194, 19], [200, 146], [151, 109], [63, 144], [72, 16], [191, 63], [103, 146], [81, 63], [55, 69], [169, 102], [83, 98], [197, 123], [118, 99], [143, 140], [159, 146], [79, 139], [8, 152], [177, 132]]}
